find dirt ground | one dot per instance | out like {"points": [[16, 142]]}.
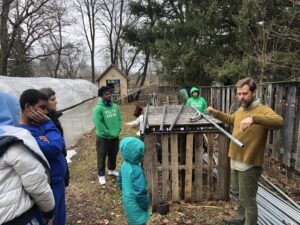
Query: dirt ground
{"points": [[89, 203]]}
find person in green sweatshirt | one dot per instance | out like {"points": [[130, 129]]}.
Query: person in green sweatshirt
{"points": [[251, 123], [197, 101], [108, 124]]}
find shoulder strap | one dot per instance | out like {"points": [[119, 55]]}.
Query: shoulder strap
{"points": [[6, 141]]}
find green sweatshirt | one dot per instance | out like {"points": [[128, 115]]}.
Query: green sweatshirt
{"points": [[107, 120], [198, 103]]}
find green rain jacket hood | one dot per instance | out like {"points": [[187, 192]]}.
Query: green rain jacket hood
{"points": [[193, 90], [132, 150], [133, 183]]}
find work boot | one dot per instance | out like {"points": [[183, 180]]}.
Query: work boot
{"points": [[233, 221]]}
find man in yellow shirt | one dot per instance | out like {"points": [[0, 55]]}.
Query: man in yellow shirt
{"points": [[251, 123]]}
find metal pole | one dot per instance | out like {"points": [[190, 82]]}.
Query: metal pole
{"points": [[161, 128], [281, 192], [221, 129], [144, 120], [176, 118]]}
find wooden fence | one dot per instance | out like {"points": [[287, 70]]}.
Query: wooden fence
{"points": [[282, 97]]}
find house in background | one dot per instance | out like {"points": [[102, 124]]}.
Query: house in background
{"points": [[116, 79]]}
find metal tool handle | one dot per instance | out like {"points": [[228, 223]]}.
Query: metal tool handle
{"points": [[235, 140]]}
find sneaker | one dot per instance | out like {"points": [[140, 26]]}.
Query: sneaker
{"points": [[113, 173], [233, 221], [102, 180]]}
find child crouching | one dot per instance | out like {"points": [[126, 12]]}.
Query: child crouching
{"points": [[133, 183]]}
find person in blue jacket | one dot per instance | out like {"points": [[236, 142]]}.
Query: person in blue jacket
{"points": [[133, 183], [33, 118]]}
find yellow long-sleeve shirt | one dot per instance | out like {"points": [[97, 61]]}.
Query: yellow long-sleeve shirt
{"points": [[254, 138]]}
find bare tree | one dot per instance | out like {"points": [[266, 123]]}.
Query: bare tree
{"points": [[13, 15], [89, 10], [111, 23], [72, 61]]}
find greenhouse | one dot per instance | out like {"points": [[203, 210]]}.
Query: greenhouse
{"points": [[75, 98]]}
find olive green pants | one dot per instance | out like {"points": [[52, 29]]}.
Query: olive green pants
{"points": [[244, 186]]}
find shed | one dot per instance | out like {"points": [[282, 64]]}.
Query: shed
{"points": [[116, 79]]}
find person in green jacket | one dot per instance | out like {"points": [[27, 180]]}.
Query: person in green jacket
{"points": [[108, 123], [133, 183], [197, 101]]}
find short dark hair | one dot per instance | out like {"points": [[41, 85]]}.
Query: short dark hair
{"points": [[32, 97], [47, 91], [246, 81], [103, 90]]}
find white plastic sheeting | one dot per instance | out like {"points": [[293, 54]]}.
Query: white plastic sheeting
{"points": [[78, 96]]}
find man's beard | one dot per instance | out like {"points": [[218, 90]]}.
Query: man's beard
{"points": [[246, 103]]}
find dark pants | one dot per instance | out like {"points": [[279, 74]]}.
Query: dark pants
{"points": [[244, 186], [106, 147]]}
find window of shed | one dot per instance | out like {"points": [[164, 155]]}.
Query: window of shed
{"points": [[115, 84]]}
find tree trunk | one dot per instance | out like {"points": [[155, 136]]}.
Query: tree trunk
{"points": [[4, 52]]}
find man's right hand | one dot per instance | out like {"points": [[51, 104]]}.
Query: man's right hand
{"points": [[37, 116], [210, 110]]}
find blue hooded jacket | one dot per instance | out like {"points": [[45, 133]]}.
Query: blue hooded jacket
{"points": [[133, 183], [10, 110], [52, 150]]}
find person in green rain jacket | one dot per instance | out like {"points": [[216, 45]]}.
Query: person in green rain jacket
{"points": [[108, 123], [197, 101], [133, 183]]}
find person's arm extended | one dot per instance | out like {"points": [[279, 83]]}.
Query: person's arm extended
{"points": [[99, 121], [55, 144], [140, 189], [225, 118]]}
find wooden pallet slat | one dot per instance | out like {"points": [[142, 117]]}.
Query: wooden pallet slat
{"points": [[165, 165], [174, 163], [198, 183], [188, 169], [210, 163]]}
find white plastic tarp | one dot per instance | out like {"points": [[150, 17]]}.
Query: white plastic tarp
{"points": [[78, 96]]}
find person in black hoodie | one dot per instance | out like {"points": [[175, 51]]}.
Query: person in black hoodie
{"points": [[54, 115]]}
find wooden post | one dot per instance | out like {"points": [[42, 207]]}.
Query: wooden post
{"points": [[198, 183], [165, 166], [223, 169], [188, 167], [278, 133], [289, 125], [174, 160]]}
